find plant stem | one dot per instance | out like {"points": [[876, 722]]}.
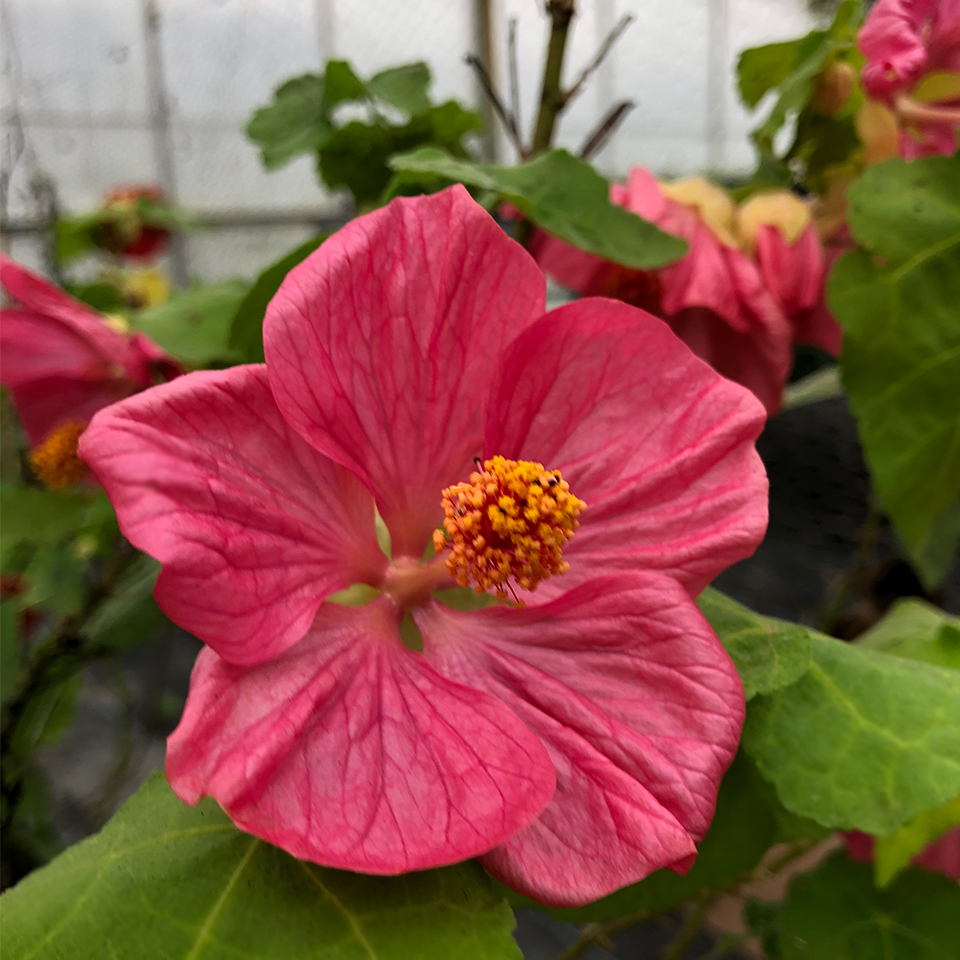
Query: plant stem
{"points": [[552, 98], [599, 932], [690, 929]]}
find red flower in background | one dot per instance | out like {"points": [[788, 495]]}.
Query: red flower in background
{"points": [[576, 743], [62, 362], [126, 233], [912, 48], [714, 298]]}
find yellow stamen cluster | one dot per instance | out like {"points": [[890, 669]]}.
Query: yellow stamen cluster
{"points": [[55, 461], [507, 526]]}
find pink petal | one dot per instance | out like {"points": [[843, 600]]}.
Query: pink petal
{"points": [[659, 446], [890, 39], [793, 272], [640, 709], [43, 301], [45, 404], [351, 751], [253, 526], [381, 347]]}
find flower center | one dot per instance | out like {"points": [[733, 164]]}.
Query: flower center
{"points": [[55, 461], [507, 526]]}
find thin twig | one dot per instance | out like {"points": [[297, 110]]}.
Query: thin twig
{"points": [[601, 933], [612, 37], [514, 70], [605, 129], [506, 117]]}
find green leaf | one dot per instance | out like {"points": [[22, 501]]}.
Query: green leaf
{"points": [[46, 715], [56, 580], [566, 197], [76, 236], [164, 881], [836, 913], [760, 69], [296, 122], [743, 828], [768, 653], [897, 300], [862, 741], [356, 156], [130, 615], [194, 326], [403, 87], [341, 84], [12, 667], [917, 630], [103, 297], [34, 515], [893, 853], [246, 327]]}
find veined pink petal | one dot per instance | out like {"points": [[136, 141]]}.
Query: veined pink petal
{"points": [[43, 301], [47, 403], [659, 446], [253, 527], [792, 271], [381, 347], [640, 709], [353, 752]]}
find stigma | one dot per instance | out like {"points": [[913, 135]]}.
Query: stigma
{"points": [[507, 527], [55, 462]]}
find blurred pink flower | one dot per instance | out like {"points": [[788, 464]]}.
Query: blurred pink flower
{"points": [[576, 743], [62, 361], [912, 49], [941, 856], [776, 228], [713, 298]]}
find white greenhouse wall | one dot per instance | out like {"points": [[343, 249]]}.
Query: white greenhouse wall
{"points": [[84, 81]]}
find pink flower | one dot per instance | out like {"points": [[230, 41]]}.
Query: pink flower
{"points": [[941, 856], [62, 361], [913, 67], [713, 298], [576, 743], [776, 227]]}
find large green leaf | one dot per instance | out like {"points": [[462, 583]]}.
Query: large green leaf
{"points": [[743, 828], [897, 301], [246, 327], [565, 196], [918, 631], [836, 913], [863, 740], [194, 326], [768, 653], [164, 881]]}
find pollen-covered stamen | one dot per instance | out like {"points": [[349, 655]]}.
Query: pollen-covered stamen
{"points": [[55, 461], [507, 526]]}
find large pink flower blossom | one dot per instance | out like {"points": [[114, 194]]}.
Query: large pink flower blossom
{"points": [[62, 361], [713, 298], [575, 743], [912, 50]]}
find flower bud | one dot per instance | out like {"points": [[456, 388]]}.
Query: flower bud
{"points": [[832, 88]]}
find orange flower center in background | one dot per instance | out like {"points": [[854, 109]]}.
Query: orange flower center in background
{"points": [[55, 461], [507, 526]]}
